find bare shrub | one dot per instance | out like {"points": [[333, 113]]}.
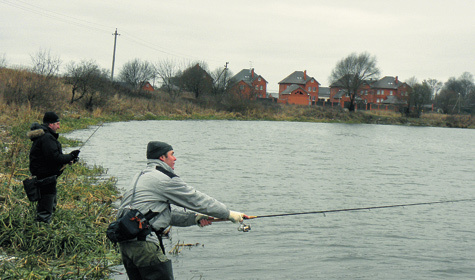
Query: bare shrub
{"points": [[22, 87]]}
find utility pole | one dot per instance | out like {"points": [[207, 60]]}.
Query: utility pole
{"points": [[225, 74], [113, 55]]}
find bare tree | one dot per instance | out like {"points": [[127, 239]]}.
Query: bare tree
{"points": [[412, 81], [221, 81], [43, 63], [167, 70], [136, 73], [3, 61], [457, 95], [419, 95], [435, 86], [467, 83], [351, 72], [87, 80], [196, 79]]}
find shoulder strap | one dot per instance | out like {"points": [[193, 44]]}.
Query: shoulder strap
{"points": [[166, 172], [133, 191]]}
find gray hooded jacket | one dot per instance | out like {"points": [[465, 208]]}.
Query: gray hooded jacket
{"points": [[157, 191]]}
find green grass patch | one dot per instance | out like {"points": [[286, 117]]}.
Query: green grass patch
{"points": [[74, 245]]}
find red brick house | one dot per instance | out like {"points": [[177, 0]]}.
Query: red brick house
{"points": [[298, 88], [249, 84], [387, 90], [147, 87]]}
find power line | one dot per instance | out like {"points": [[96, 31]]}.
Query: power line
{"points": [[35, 9], [54, 15]]}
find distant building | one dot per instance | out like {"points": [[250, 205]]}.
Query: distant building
{"points": [[324, 94], [249, 84], [298, 88], [387, 90], [147, 87]]}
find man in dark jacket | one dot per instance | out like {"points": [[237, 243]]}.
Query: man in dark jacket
{"points": [[46, 163]]}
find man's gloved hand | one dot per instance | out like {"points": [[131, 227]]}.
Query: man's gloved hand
{"points": [[75, 153], [202, 220], [235, 217]]}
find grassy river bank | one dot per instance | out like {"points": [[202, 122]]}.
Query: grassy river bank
{"points": [[74, 245]]}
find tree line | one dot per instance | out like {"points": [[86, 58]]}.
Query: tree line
{"points": [[455, 96], [90, 85]]}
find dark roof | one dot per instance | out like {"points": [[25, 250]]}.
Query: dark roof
{"points": [[245, 76], [291, 88], [324, 92], [387, 82], [343, 80], [393, 100], [340, 94], [297, 78]]}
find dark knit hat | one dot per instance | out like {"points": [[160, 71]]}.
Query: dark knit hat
{"points": [[155, 149], [50, 117]]}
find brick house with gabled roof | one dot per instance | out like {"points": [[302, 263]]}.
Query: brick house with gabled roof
{"points": [[147, 87], [385, 90], [386, 87], [298, 88], [249, 84]]}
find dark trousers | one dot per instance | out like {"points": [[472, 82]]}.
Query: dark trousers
{"points": [[47, 202], [145, 260]]}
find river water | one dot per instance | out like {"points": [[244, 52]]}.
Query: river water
{"points": [[266, 168]]}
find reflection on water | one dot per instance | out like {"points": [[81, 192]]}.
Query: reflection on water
{"points": [[265, 168]]}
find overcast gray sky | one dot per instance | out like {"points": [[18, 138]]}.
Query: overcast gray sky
{"points": [[410, 38]]}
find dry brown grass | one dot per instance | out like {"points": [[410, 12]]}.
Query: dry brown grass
{"points": [[117, 106]]}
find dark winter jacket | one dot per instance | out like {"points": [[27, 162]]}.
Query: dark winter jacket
{"points": [[46, 155]]}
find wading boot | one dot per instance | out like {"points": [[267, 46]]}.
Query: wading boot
{"points": [[45, 208]]}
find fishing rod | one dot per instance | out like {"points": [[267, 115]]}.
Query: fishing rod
{"points": [[82, 145], [99, 126], [359, 208], [246, 228]]}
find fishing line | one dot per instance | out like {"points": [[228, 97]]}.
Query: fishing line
{"points": [[82, 145], [358, 209], [99, 126]]}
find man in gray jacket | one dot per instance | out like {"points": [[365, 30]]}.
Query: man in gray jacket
{"points": [[157, 187]]}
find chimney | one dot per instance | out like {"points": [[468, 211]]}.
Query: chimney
{"points": [[305, 75], [397, 81], [252, 73]]}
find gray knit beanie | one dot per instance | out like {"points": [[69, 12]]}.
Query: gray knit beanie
{"points": [[155, 149]]}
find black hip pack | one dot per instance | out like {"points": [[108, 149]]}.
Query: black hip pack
{"points": [[32, 186], [132, 224]]}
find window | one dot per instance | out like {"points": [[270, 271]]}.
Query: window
{"points": [[262, 87], [259, 79], [390, 92], [309, 89], [314, 89], [241, 87]]}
